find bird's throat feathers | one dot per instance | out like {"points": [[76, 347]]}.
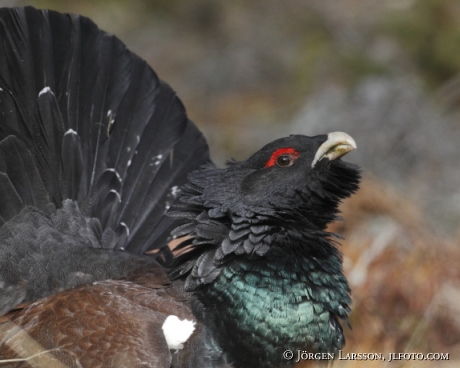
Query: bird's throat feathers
{"points": [[222, 219]]}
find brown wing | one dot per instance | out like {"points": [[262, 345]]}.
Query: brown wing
{"points": [[104, 324]]}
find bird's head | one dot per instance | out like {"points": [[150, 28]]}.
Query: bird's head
{"points": [[292, 176]]}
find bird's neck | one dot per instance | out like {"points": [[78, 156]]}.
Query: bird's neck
{"points": [[259, 308]]}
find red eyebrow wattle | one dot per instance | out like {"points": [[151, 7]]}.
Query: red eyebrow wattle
{"points": [[281, 151]]}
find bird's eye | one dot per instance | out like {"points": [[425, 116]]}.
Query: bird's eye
{"points": [[282, 157], [284, 161]]}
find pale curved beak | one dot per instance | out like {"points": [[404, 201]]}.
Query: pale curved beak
{"points": [[337, 145]]}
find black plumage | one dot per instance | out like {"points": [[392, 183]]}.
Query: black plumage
{"points": [[98, 164], [79, 115]]}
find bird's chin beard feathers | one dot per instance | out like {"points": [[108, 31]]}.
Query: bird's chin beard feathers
{"points": [[308, 216], [317, 204], [338, 180], [345, 177]]}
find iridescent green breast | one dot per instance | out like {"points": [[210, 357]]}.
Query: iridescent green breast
{"points": [[275, 304]]}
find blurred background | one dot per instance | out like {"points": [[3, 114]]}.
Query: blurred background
{"points": [[385, 71]]}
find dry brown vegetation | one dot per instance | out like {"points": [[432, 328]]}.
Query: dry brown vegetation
{"points": [[404, 280]]}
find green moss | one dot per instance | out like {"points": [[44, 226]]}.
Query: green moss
{"points": [[430, 32]]}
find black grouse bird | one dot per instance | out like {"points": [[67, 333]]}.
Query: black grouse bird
{"points": [[98, 164]]}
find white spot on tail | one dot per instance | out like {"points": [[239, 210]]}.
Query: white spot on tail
{"points": [[44, 90], [126, 227], [175, 191], [118, 194], [111, 116], [156, 160], [129, 163], [71, 131], [116, 173], [177, 332]]}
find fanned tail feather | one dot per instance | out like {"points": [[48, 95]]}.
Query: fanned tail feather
{"points": [[84, 119]]}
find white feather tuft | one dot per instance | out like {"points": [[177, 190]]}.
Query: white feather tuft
{"points": [[177, 332], [71, 131], [44, 90]]}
